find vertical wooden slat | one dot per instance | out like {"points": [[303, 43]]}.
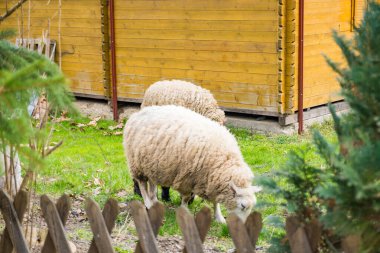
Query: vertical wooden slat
{"points": [[254, 224], [351, 244], [98, 227], [20, 204], [110, 212], [63, 207], [106, 48], [203, 222], [143, 227], [297, 236], [156, 218], [314, 233], [189, 230], [239, 234], [53, 221], [12, 223]]}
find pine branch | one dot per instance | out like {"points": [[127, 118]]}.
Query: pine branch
{"points": [[11, 10]]}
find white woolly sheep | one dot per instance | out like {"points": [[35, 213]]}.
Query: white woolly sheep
{"points": [[186, 94], [174, 146]]}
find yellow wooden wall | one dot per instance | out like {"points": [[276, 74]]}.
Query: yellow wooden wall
{"points": [[229, 47], [80, 32], [321, 17], [287, 56], [244, 51]]}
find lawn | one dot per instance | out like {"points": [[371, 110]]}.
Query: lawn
{"points": [[91, 163]]}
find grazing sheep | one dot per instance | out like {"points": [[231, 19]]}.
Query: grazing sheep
{"points": [[186, 94], [174, 146]]}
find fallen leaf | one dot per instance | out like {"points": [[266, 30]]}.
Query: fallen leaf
{"points": [[50, 180], [118, 126], [121, 194], [118, 133], [80, 198], [96, 191], [98, 181], [92, 123], [81, 125], [61, 119], [97, 118], [123, 206]]}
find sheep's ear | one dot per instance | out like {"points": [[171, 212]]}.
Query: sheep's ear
{"points": [[234, 188], [256, 188]]}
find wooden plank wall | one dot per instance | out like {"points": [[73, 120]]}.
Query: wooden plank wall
{"points": [[360, 6], [287, 55], [229, 47], [80, 32], [321, 17]]}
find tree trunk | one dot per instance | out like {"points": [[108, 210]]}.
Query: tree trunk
{"points": [[10, 171]]}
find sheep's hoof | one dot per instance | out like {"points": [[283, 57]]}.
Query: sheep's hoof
{"points": [[221, 220]]}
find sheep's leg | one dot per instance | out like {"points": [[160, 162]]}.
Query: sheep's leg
{"points": [[165, 195], [144, 193], [153, 191], [218, 214], [188, 199], [185, 199], [136, 188], [191, 200]]}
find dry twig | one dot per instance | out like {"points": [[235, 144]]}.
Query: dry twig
{"points": [[11, 10]]}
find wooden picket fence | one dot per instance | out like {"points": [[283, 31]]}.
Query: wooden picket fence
{"points": [[147, 223]]}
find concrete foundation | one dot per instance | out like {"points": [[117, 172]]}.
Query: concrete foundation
{"points": [[93, 108]]}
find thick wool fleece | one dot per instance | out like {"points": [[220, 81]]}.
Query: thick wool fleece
{"points": [[174, 146], [186, 94]]}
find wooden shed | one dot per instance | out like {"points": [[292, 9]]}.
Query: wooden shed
{"points": [[244, 51]]}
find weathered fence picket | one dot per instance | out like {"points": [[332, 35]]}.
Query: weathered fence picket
{"points": [[156, 217], [110, 212], [297, 236], [63, 207], [203, 223], [314, 234], [54, 223], [20, 204], [239, 235], [12, 223], [254, 225], [189, 230], [143, 227], [351, 244], [98, 226]]}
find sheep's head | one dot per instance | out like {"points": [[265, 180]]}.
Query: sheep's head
{"points": [[245, 200], [217, 115], [241, 200]]}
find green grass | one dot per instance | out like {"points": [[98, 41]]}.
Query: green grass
{"points": [[91, 162]]}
